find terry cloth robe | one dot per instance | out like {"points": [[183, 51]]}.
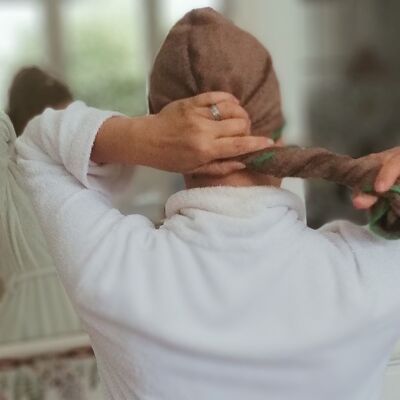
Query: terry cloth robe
{"points": [[33, 304], [232, 298]]}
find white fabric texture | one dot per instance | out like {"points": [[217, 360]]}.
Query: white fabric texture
{"points": [[34, 304], [232, 298]]}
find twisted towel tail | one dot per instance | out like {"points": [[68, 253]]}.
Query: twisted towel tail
{"points": [[318, 163]]}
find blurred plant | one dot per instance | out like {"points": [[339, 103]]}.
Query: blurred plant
{"points": [[105, 59], [105, 64]]}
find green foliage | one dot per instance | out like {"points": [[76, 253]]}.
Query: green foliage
{"points": [[105, 66], [104, 53]]}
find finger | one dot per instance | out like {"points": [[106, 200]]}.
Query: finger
{"points": [[207, 99], [237, 146], [388, 174], [231, 127], [227, 110], [219, 168], [364, 201]]}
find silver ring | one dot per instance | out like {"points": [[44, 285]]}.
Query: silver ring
{"points": [[216, 114]]}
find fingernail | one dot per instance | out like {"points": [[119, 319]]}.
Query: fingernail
{"points": [[380, 186], [270, 142]]}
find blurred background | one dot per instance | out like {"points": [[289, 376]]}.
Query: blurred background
{"points": [[338, 62], [339, 66]]}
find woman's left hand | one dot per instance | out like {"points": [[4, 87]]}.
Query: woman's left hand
{"points": [[387, 177]]}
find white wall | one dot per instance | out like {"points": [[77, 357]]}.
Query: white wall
{"points": [[280, 26]]}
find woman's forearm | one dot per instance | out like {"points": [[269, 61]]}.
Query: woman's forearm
{"points": [[118, 140]]}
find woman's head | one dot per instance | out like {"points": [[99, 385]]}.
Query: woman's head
{"points": [[32, 91], [206, 52]]}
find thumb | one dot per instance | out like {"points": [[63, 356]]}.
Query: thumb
{"points": [[363, 201]]}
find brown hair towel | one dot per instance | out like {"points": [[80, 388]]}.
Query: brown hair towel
{"points": [[205, 52]]}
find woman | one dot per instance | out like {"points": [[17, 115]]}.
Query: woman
{"points": [[234, 297]]}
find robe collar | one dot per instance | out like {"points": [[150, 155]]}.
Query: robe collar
{"points": [[239, 202]]}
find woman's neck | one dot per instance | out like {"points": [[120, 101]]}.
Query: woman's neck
{"points": [[236, 179]]}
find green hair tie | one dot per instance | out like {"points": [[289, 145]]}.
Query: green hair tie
{"points": [[379, 213], [259, 161]]}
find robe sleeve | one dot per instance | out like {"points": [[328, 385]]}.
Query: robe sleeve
{"points": [[71, 194]]}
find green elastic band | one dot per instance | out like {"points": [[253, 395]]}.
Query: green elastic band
{"points": [[378, 213], [395, 189], [259, 162], [368, 188]]}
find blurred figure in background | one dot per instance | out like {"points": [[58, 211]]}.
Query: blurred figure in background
{"points": [[32, 91]]}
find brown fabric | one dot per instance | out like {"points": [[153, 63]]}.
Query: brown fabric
{"points": [[320, 163], [205, 52], [311, 163]]}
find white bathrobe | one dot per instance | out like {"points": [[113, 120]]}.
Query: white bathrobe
{"points": [[233, 298]]}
